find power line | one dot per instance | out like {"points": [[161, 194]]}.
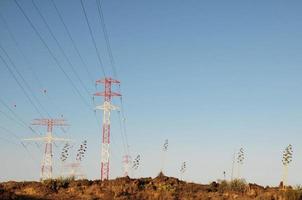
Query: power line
{"points": [[12, 119], [51, 53], [21, 52], [123, 118], [10, 132], [93, 39], [7, 140], [109, 50], [63, 52], [72, 40], [27, 61], [25, 147], [121, 131], [112, 62], [21, 121], [60, 47], [24, 81], [94, 43], [21, 86]]}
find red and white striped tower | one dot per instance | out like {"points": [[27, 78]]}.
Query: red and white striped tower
{"points": [[46, 168], [106, 107]]}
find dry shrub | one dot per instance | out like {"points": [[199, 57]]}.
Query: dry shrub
{"points": [[223, 186], [236, 185], [56, 184], [293, 194]]}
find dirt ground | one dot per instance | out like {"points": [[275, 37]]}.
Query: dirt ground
{"points": [[161, 187]]}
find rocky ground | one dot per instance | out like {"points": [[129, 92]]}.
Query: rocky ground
{"points": [[161, 187]]}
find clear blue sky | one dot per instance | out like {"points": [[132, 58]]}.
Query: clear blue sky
{"points": [[210, 76]]}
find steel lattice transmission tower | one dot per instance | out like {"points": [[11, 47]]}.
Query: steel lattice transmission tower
{"points": [[106, 107], [46, 168], [126, 162]]}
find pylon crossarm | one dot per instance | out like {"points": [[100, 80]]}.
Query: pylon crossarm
{"points": [[113, 94], [35, 139], [107, 80], [106, 106], [61, 139]]}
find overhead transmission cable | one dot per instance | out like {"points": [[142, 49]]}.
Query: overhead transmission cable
{"points": [[21, 86], [72, 41], [19, 120], [10, 132], [61, 48], [95, 46], [21, 52], [108, 47], [21, 124], [7, 140], [112, 62], [12, 119], [52, 55], [74, 46], [122, 136], [25, 82], [93, 39], [27, 61], [18, 138]]}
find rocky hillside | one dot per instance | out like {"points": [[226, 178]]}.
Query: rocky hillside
{"points": [[161, 187]]}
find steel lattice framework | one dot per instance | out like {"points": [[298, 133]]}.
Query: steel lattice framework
{"points": [[126, 162], [106, 107], [46, 168]]}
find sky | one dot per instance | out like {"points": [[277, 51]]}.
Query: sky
{"points": [[209, 76]]}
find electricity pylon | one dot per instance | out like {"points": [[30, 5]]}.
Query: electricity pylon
{"points": [[48, 139], [106, 107], [286, 160], [126, 164]]}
